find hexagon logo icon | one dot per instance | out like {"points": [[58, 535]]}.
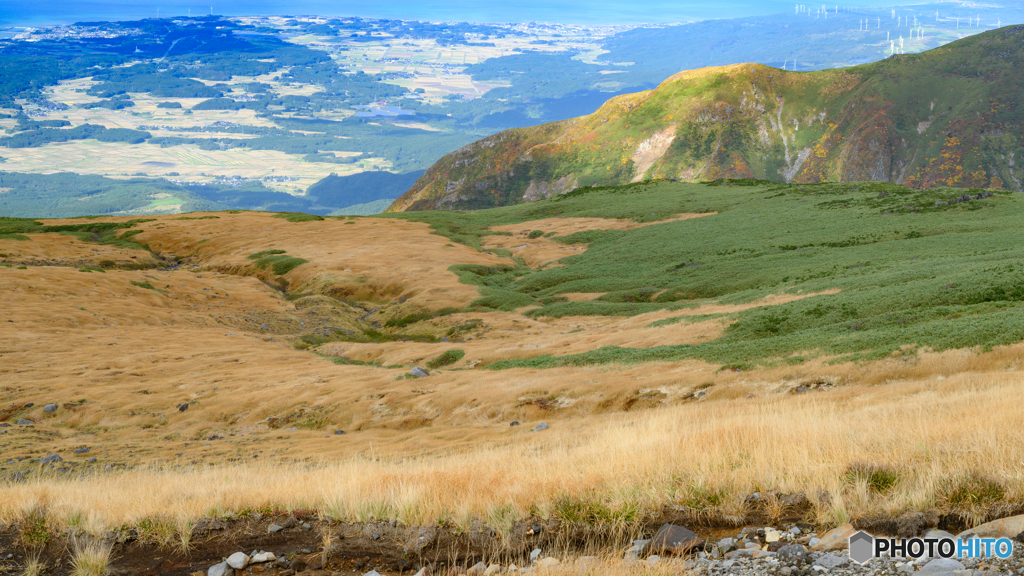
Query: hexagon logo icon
{"points": [[862, 547]]}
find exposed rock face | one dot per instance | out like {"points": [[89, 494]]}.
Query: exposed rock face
{"points": [[537, 190]]}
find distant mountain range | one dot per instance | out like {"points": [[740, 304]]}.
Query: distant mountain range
{"points": [[952, 116]]}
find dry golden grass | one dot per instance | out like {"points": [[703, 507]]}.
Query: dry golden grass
{"points": [[708, 454], [630, 439], [537, 252], [90, 557]]}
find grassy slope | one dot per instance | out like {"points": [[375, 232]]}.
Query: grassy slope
{"points": [[947, 117], [910, 273]]}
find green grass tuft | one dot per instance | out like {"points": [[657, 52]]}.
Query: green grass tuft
{"points": [[298, 217], [446, 358]]}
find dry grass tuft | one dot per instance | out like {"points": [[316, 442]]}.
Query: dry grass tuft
{"points": [[34, 566], [90, 557]]}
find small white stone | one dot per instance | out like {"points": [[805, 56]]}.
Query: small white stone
{"points": [[238, 560], [262, 557]]}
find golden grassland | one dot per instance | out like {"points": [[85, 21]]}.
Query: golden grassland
{"points": [[941, 431]]}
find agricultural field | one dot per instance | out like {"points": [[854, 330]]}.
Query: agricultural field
{"points": [[184, 163]]}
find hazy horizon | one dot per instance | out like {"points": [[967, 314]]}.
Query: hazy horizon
{"points": [[34, 13]]}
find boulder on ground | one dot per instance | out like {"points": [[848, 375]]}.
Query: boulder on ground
{"points": [[238, 560], [835, 539], [1003, 528], [221, 569], [674, 540]]}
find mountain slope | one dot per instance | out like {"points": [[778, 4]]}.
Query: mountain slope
{"points": [[947, 117]]}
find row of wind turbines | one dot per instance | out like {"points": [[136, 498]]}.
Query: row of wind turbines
{"points": [[896, 45]]}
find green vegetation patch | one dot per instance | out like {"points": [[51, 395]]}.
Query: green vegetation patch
{"points": [[281, 264], [446, 358], [298, 216], [914, 269], [264, 254], [97, 232]]}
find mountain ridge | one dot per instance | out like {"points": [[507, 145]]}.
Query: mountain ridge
{"points": [[951, 116]]}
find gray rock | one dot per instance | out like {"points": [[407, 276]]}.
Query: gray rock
{"points": [[24, 422], [792, 552], [419, 372], [81, 451], [52, 458], [221, 569], [728, 563], [653, 559], [372, 573], [261, 558], [50, 408], [535, 554], [674, 539], [941, 565], [238, 560], [726, 544], [813, 541], [264, 327], [274, 528], [541, 426], [831, 561], [795, 531], [905, 569], [752, 546]]}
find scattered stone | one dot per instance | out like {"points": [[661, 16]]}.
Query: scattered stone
{"points": [[51, 459], [370, 573], [831, 561], [492, 570], [795, 531], [905, 568], [81, 450], [339, 432], [772, 535], [274, 528], [940, 565], [477, 569], [534, 555], [653, 559], [835, 539], [221, 569], [792, 552], [726, 544], [419, 372], [24, 422], [50, 408], [541, 426], [514, 423], [674, 539], [238, 560]]}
